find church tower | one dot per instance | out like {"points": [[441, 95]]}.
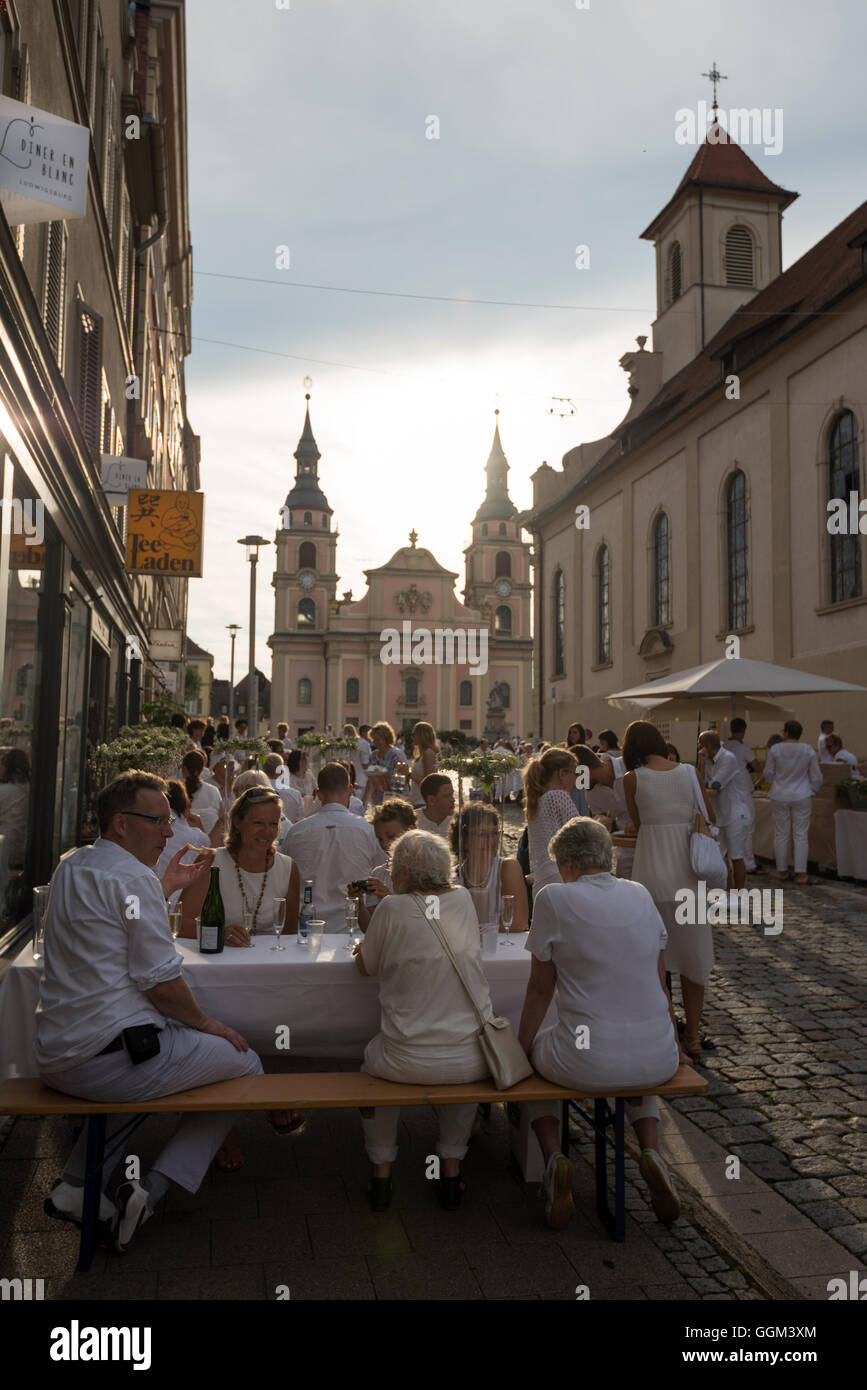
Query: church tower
{"points": [[305, 584], [718, 242], [498, 583]]}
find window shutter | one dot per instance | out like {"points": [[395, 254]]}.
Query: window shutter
{"points": [[90, 376], [123, 252], [109, 155], [54, 287], [676, 264], [739, 257]]}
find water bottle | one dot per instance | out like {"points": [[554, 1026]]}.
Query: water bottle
{"points": [[307, 913]]}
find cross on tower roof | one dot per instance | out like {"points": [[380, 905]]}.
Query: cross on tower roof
{"points": [[715, 77]]}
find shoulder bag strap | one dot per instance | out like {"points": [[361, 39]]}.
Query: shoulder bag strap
{"points": [[440, 935]]}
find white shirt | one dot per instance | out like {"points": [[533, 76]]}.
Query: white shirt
{"points": [[361, 761], [207, 804], [293, 806], [844, 756], [724, 771], [555, 808], [424, 1005], [793, 771], [356, 806], [744, 755], [604, 936], [434, 828], [100, 956], [823, 750], [333, 848], [182, 834]]}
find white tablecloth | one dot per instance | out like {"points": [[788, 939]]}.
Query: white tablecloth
{"points": [[850, 835], [330, 1009]]}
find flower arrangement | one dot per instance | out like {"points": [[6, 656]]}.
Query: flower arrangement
{"points": [[856, 790], [324, 744], [148, 747], [253, 747], [486, 767]]}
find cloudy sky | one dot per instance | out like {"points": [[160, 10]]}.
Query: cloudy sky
{"points": [[309, 129]]}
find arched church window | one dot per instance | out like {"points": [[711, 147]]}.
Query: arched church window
{"points": [[305, 691], [740, 269], [325, 521], [675, 272], [307, 556], [503, 619], [844, 477], [737, 552], [306, 613], [503, 564], [410, 690], [352, 690], [661, 572], [308, 518], [484, 528], [466, 693], [502, 528], [559, 622], [603, 605]]}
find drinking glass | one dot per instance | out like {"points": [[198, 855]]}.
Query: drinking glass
{"points": [[175, 918], [351, 910], [279, 919], [508, 915], [248, 926], [40, 903]]}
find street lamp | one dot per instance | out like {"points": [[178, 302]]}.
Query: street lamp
{"points": [[233, 629], [252, 544]]}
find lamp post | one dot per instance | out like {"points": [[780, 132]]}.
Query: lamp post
{"points": [[233, 629], [252, 544]]}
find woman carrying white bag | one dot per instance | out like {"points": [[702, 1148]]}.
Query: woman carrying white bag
{"points": [[663, 798]]}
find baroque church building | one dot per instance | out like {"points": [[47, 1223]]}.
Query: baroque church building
{"points": [[327, 652], [707, 507]]}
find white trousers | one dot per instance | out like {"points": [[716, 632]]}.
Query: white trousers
{"points": [[455, 1122], [791, 818], [186, 1059], [642, 1108]]}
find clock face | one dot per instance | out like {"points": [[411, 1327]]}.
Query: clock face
{"points": [[306, 581], [504, 588]]}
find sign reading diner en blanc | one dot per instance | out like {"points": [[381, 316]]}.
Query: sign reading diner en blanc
{"points": [[43, 164], [165, 532]]}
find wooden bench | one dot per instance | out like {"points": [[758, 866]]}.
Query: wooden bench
{"points": [[334, 1090]]}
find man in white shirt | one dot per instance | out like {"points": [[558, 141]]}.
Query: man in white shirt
{"points": [[439, 804], [361, 758], [721, 772], [116, 1021], [793, 773], [748, 765], [333, 848], [283, 735], [293, 806], [836, 753], [826, 728]]}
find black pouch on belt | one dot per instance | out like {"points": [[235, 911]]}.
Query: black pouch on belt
{"points": [[142, 1042]]}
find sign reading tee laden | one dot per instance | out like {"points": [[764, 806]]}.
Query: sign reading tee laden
{"points": [[165, 533]]}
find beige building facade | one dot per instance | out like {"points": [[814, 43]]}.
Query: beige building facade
{"points": [[703, 516]]}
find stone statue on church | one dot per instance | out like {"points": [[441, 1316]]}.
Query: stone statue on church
{"points": [[498, 696]]}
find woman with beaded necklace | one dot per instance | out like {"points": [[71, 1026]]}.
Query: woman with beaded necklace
{"points": [[252, 875], [482, 870]]}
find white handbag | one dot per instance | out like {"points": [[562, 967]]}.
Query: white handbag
{"points": [[705, 855]]}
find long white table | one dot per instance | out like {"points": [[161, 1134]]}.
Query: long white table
{"points": [[316, 992]]}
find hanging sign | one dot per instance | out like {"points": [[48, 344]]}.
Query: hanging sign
{"points": [[43, 164], [119, 475], [165, 532]]}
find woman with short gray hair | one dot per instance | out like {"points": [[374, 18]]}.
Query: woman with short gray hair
{"points": [[429, 1029], [598, 940]]}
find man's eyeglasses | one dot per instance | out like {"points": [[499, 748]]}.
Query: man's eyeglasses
{"points": [[164, 822]]}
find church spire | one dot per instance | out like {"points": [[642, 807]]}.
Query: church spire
{"points": [[307, 492], [498, 505]]}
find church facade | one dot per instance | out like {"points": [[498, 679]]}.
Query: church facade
{"points": [[331, 663], [704, 515]]}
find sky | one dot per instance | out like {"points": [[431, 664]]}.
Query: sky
{"points": [[409, 160]]}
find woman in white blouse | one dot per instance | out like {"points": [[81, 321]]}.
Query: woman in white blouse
{"points": [[252, 875], [205, 798], [429, 1030], [793, 771], [183, 832], [486, 874], [599, 942], [549, 782]]}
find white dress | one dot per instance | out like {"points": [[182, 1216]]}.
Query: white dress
{"points": [[207, 804], [554, 810], [666, 808], [488, 899], [277, 886]]}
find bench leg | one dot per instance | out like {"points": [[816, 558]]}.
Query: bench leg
{"points": [[619, 1172], [600, 1116], [92, 1188], [564, 1129]]}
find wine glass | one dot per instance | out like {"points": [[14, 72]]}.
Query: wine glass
{"points": [[351, 910], [508, 915], [279, 920], [249, 928], [175, 918]]}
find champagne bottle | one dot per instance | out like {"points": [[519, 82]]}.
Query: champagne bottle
{"points": [[307, 913], [212, 920]]}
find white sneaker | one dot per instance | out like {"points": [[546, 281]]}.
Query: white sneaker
{"points": [[133, 1211], [66, 1203], [663, 1197], [557, 1187]]}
